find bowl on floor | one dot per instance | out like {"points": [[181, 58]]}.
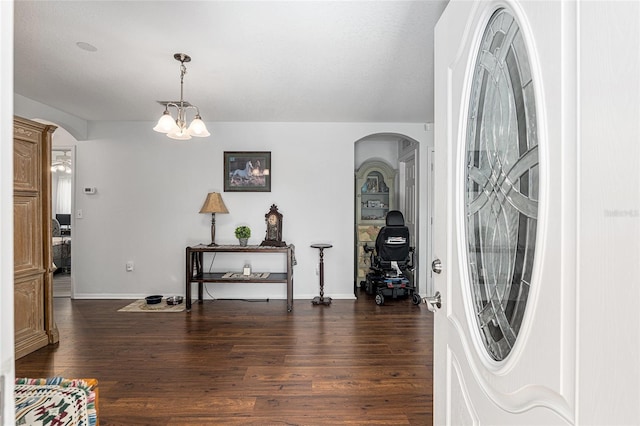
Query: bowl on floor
{"points": [[174, 300], [153, 300]]}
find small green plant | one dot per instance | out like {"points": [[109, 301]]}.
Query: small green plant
{"points": [[243, 232]]}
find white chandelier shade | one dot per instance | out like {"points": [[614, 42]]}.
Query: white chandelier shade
{"points": [[166, 123], [62, 163], [176, 128], [197, 128]]}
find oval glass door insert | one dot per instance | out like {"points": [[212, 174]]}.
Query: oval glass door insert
{"points": [[501, 190]]}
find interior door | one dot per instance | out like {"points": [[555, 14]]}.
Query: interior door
{"points": [[504, 336]]}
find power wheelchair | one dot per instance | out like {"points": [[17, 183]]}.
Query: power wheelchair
{"points": [[391, 270]]}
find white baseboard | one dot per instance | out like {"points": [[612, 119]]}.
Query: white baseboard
{"points": [[112, 296]]}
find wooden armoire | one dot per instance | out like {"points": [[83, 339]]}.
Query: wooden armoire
{"points": [[33, 266]]}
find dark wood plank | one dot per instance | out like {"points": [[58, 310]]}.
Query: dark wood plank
{"points": [[248, 363]]}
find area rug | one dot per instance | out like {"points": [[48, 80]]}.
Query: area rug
{"points": [[141, 306], [240, 275], [56, 401]]}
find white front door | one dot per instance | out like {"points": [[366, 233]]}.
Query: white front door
{"points": [[517, 341]]}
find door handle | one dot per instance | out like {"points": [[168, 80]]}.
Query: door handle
{"points": [[433, 302], [436, 266]]}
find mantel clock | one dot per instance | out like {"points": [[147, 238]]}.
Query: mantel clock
{"points": [[273, 236]]}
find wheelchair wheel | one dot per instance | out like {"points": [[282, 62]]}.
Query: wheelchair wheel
{"points": [[416, 299], [379, 299]]}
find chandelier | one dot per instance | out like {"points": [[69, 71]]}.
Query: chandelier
{"points": [[176, 128], [62, 163]]}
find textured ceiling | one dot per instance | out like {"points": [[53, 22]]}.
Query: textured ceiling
{"points": [[315, 61]]}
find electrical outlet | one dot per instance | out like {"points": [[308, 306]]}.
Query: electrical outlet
{"points": [[129, 266]]}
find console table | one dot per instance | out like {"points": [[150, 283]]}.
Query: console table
{"points": [[195, 272]]}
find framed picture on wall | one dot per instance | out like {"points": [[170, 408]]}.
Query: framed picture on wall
{"points": [[247, 171]]}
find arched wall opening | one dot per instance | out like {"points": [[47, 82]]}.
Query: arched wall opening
{"points": [[410, 193]]}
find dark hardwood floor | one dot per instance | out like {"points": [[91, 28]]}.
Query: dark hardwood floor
{"points": [[248, 363]]}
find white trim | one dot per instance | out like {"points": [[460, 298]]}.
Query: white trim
{"points": [[7, 344]]}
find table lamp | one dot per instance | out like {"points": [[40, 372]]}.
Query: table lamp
{"points": [[213, 204]]}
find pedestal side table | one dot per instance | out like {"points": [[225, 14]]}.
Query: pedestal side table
{"points": [[321, 300]]}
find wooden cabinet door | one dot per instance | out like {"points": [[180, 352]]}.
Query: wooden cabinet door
{"points": [[33, 272]]}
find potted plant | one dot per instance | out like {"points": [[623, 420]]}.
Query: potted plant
{"points": [[242, 234]]}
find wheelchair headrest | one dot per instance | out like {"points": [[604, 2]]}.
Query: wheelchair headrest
{"points": [[395, 218]]}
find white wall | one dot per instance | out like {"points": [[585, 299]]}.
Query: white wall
{"points": [[150, 189], [31, 109], [383, 147], [7, 369]]}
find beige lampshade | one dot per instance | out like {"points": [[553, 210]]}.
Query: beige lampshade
{"points": [[214, 204]]}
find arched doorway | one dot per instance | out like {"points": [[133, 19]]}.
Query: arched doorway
{"points": [[401, 154]]}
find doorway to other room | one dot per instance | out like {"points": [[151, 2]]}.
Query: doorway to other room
{"points": [[62, 170], [385, 168]]}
